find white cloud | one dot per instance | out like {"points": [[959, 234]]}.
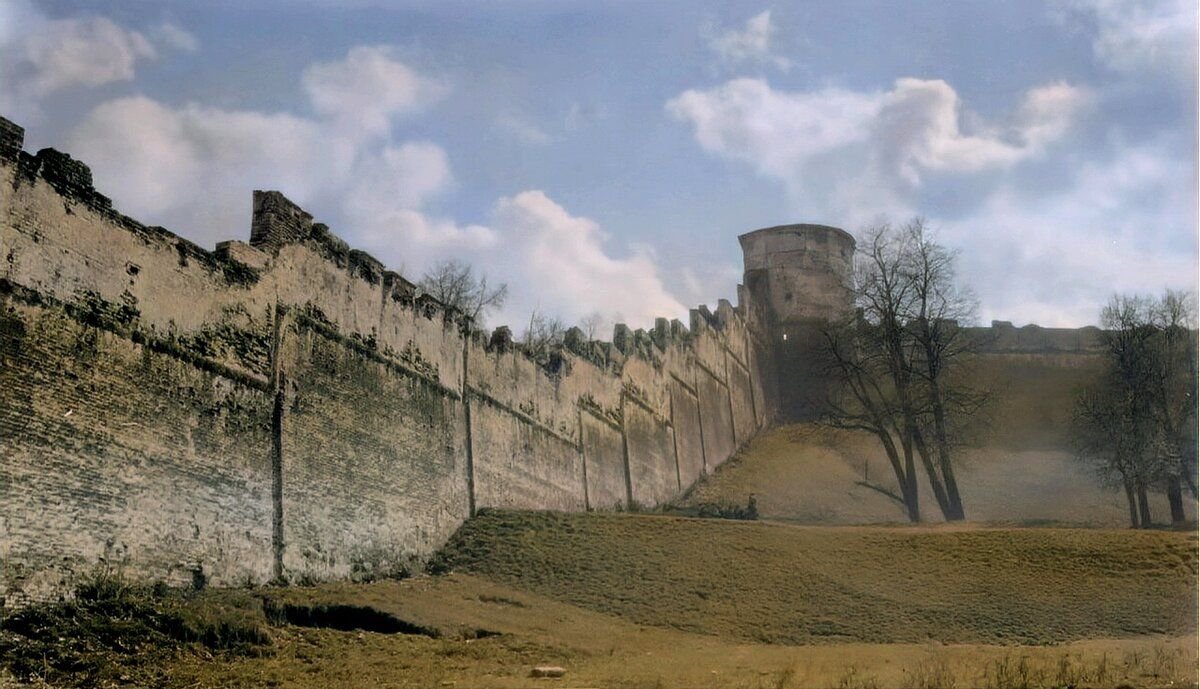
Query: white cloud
{"points": [[1141, 36], [852, 155], [1124, 221], [557, 263], [1124, 225], [368, 88], [54, 56], [522, 129], [751, 43], [405, 175], [174, 37], [40, 57], [193, 167]]}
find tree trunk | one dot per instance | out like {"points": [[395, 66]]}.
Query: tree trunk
{"points": [[1133, 509], [1143, 506], [1186, 466], [943, 448], [911, 495], [1175, 498], [907, 487], [935, 482]]}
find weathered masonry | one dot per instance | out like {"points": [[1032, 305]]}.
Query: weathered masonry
{"points": [[287, 408]]}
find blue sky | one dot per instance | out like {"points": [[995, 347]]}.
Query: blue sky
{"points": [[604, 156]]}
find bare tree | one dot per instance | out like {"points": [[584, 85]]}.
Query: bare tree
{"points": [[1175, 382], [866, 400], [1106, 433], [1137, 423], [938, 306], [455, 283], [893, 355], [543, 335], [592, 325]]}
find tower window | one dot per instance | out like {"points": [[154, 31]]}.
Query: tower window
{"points": [[787, 296], [785, 337]]}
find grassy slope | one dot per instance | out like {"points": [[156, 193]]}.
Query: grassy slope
{"points": [[786, 584], [809, 474], [601, 650], [1020, 469]]}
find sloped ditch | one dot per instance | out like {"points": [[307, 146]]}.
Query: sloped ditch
{"points": [[349, 618]]}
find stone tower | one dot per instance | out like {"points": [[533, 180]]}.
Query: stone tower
{"points": [[799, 278]]}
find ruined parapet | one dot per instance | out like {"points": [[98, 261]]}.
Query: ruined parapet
{"points": [[277, 221], [502, 339], [12, 139]]}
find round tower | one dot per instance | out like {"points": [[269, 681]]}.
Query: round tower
{"points": [[798, 278], [799, 272]]}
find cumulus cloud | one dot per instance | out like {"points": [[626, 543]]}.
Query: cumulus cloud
{"points": [[44, 57], [368, 89], [750, 43], [1125, 224], [193, 166], [852, 155], [68, 53], [1122, 220], [1140, 36], [563, 258]]}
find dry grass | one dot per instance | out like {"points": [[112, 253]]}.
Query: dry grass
{"points": [[772, 583], [111, 631], [810, 474], [599, 650]]}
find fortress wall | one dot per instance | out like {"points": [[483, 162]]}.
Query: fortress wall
{"points": [[604, 461], [373, 459], [651, 446], [1033, 395], [512, 382], [522, 465], [741, 400], [115, 454], [759, 398], [525, 435], [288, 408], [1003, 337], [60, 244], [689, 443], [716, 422]]}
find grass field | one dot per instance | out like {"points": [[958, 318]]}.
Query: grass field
{"points": [[772, 583], [525, 630], [632, 601]]}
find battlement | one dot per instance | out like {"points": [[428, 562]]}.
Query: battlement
{"points": [[12, 139]]}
